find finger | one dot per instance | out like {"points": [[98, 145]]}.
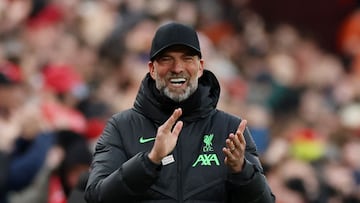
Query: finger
{"points": [[240, 132], [172, 119], [177, 128], [229, 142], [227, 152], [241, 139], [242, 126], [235, 142]]}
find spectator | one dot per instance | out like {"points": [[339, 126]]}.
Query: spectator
{"points": [[26, 140]]}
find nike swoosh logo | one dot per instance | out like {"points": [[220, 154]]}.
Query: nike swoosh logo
{"points": [[143, 140]]}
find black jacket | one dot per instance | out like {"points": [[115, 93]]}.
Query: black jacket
{"points": [[122, 172], [4, 171]]}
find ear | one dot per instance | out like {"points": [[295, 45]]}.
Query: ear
{"points": [[201, 68], [151, 69]]}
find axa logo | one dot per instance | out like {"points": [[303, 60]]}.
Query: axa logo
{"points": [[207, 159]]}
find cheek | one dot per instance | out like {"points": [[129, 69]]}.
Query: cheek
{"points": [[200, 72], [9, 99], [196, 72], [160, 73]]}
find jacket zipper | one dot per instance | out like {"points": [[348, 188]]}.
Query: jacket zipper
{"points": [[179, 172]]}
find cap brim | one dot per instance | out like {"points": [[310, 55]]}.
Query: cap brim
{"points": [[173, 44]]}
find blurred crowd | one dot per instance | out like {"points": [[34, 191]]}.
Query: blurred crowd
{"points": [[67, 65]]}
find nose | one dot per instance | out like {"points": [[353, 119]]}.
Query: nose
{"points": [[178, 66]]}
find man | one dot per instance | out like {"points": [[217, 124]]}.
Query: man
{"points": [[174, 145], [24, 141]]}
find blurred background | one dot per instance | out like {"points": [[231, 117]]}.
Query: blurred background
{"points": [[291, 68]]}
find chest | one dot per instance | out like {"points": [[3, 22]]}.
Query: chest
{"points": [[198, 158]]}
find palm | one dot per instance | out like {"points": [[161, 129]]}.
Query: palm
{"points": [[166, 137]]}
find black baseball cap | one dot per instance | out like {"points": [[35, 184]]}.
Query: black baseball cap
{"points": [[174, 34]]}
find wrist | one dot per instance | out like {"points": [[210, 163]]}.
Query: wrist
{"points": [[153, 158], [6, 147]]}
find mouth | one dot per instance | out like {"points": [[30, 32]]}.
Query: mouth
{"points": [[177, 82]]}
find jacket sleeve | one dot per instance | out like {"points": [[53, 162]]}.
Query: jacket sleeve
{"points": [[250, 185], [32, 160], [113, 177]]}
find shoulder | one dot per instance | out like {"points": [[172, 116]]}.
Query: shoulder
{"points": [[125, 116], [225, 117], [119, 119], [117, 124], [232, 121]]}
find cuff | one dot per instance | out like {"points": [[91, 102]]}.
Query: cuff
{"points": [[245, 175], [151, 165], [139, 172]]}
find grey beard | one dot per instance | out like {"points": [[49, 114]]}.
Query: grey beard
{"points": [[178, 97]]}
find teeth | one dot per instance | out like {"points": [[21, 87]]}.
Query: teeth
{"points": [[178, 80]]}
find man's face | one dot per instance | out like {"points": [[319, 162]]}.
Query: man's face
{"points": [[11, 98], [176, 72]]}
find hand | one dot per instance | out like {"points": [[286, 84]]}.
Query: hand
{"points": [[166, 137], [235, 149], [31, 120], [54, 157], [10, 131]]}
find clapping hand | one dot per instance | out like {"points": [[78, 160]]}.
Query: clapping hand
{"points": [[235, 149], [166, 137]]}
